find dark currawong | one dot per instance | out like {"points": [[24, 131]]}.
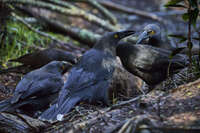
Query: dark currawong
{"points": [[38, 59], [149, 63], [90, 78], [37, 89]]}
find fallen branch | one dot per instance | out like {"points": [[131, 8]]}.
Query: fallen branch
{"points": [[128, 10], [101, 8], [85, 36], [123, 103], [72, 11], [18, 123], [104, 11], [138, 124], [59, 43]]}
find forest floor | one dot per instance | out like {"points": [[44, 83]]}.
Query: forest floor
{"points": [[177, 107]]}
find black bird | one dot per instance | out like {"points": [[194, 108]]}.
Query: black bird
{"points": [[152, 32], [37, 88], [89, 79], [38, 59], [149, 63]]}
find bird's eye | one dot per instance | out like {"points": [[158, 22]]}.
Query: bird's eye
{"points": [[151, 32], [116, 36], [63, 67]]}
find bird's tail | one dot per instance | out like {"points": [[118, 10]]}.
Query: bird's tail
{"points": [[56, 112], [17, 69], [5, 105]]}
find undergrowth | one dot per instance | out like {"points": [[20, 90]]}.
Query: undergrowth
{"points": [[20, 40]]}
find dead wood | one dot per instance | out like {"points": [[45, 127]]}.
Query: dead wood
{"points": [[128, 10], [59, 43], [83, 35], [72, 11], [18, 123], [101, 8]]}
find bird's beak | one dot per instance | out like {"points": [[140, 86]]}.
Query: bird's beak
{"points": [[66, 66], [126, 33], [142, 37]]}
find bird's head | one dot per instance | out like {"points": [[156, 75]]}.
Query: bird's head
{"points": [[150, 31], [111, 39], [117, 36], [57, 67]]}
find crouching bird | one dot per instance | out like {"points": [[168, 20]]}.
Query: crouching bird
{"points": [[37, 89], [38, 59], [90, 78], [152, 32], [151, 64]]}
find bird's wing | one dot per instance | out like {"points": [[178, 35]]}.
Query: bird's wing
{"points": [[93, 91], [77, 81], [89, 72], [22, 87], [150, 59], [33, 85], [44, 87]]}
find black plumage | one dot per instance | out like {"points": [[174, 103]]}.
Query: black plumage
{"points": [[38, 59], [149, 63], [152, 32], [37, 88], [89, 79]]}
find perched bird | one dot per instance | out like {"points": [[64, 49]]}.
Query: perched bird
{"points": [[40, 58], [151, 64], [38, 88], [90, 78]]}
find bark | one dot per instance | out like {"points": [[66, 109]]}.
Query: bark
{"points": [[59, 43], [82, 35], [18, 123], [101, 8], [128, 10], [72, 11]]}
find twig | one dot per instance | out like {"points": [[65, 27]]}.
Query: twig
{"points": [[189, 43], [125, 126], [104, 11], [61, 3], [124, 103], [128, 10], [101, 8], [114, 128], [172, 129]]}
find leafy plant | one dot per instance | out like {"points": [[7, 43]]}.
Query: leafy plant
{"points": [[190, 16], [18, 41]]}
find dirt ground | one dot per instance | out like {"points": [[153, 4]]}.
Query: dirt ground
{"points": [[179, 107]]}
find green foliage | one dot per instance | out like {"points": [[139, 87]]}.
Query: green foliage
{"points": [[174, 3], [176, 51], [194, 15], [18, 41], [196, 67], [181, 37], [191, 17]]}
